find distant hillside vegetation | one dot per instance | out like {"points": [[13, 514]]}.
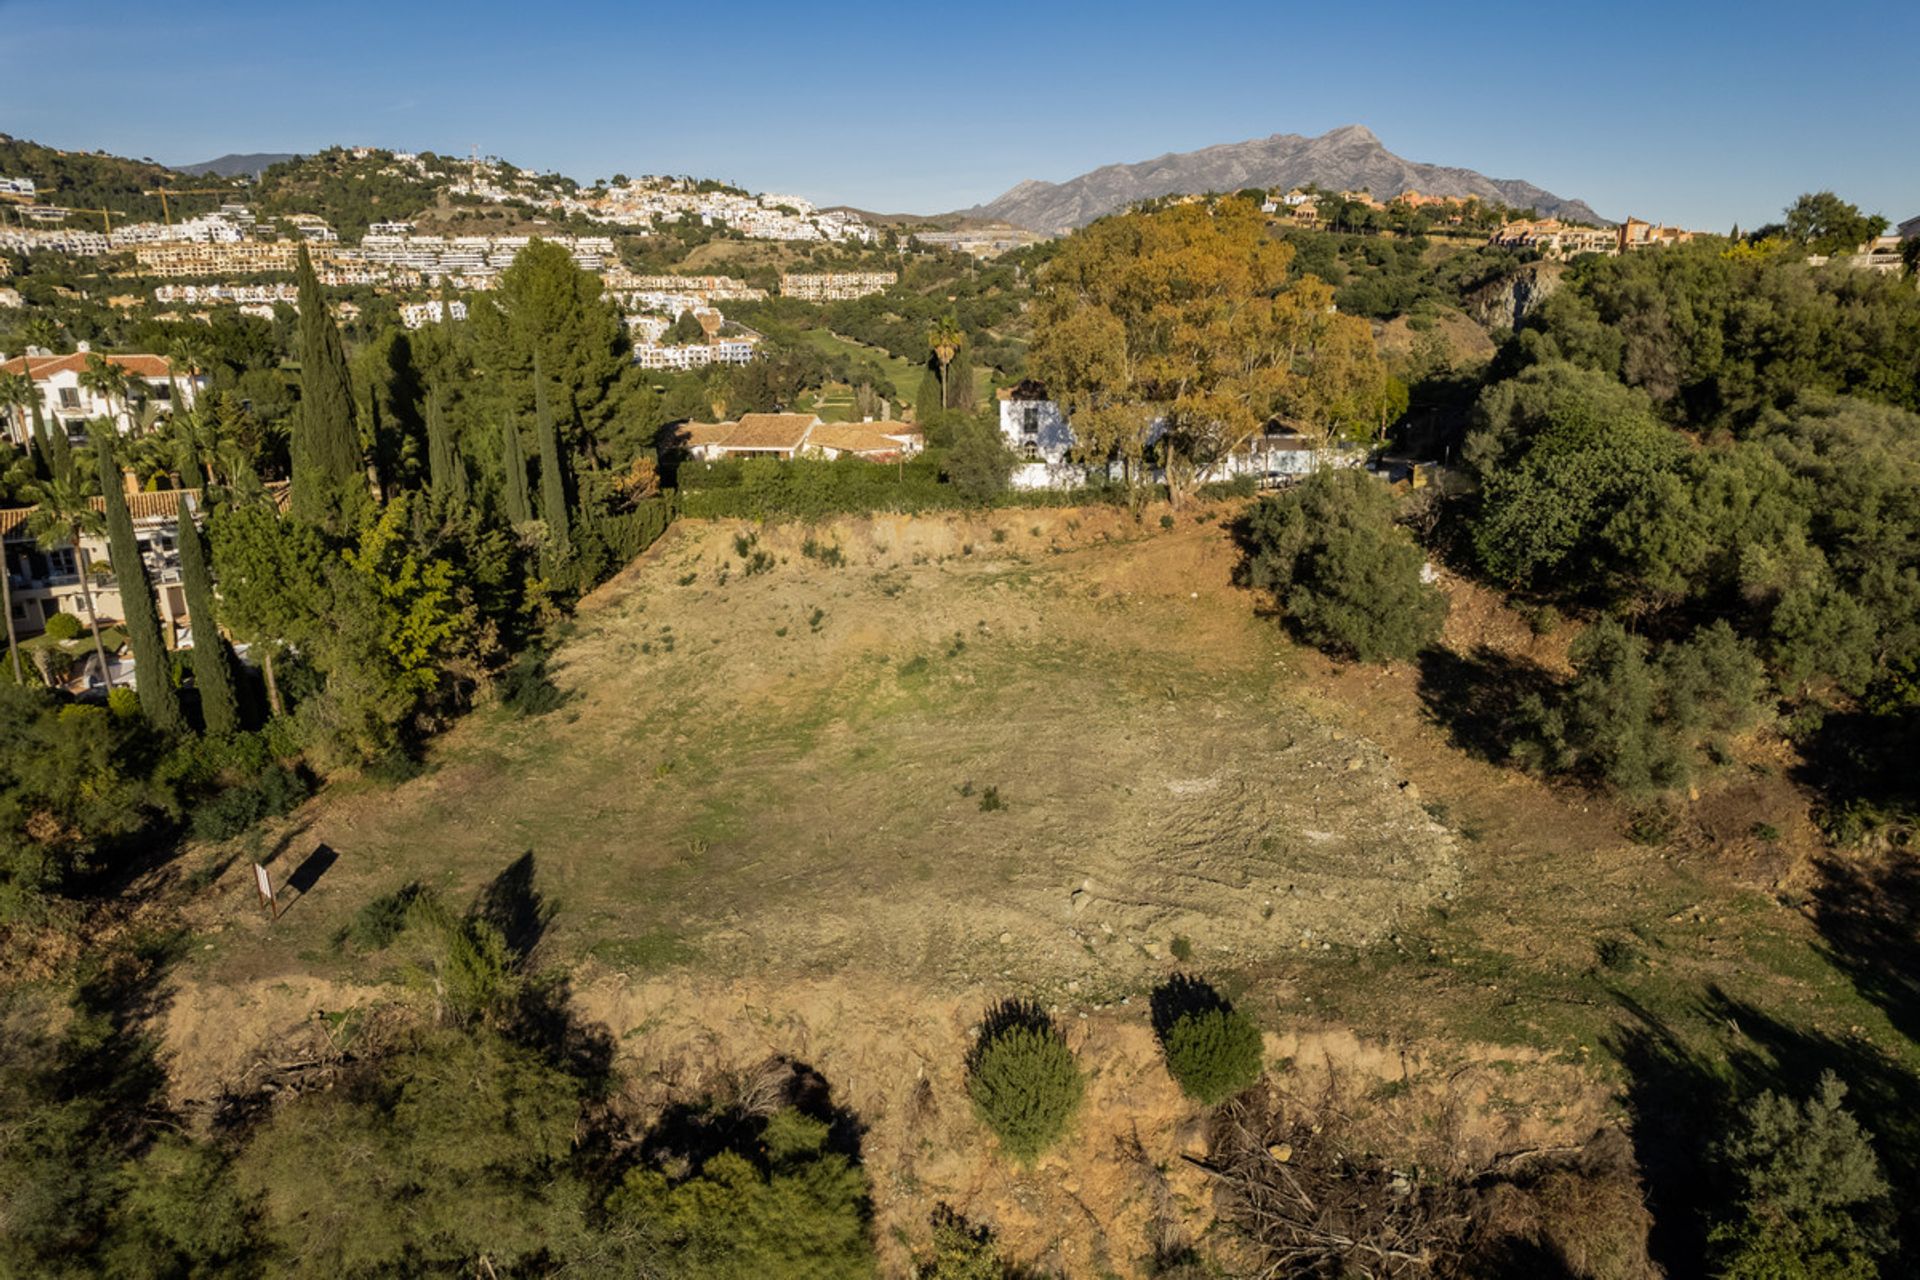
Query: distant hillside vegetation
{"points": [[1345, 159], [95, 180]]}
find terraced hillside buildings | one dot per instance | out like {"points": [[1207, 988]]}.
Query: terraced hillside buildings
{"points": [[836, 286]]}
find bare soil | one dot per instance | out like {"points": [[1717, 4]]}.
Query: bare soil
{"points": [[827, 793]]}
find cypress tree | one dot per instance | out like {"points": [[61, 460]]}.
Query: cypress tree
{"points": [[519, 505], [440, 459], [553, 483], [53, 443], [158, 700], [329, 483], [960, 381], [212, 672], [927, 405]]}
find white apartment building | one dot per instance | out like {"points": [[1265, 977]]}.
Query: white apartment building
{"points": [[244, 294], [651, 355], [18, 187], [836, 286], [1042, 441], [71, 241], [416, 315], [69, 406]]}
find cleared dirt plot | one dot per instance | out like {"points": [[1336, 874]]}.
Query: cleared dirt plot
{"points": [[824, 793], [940, 757]]}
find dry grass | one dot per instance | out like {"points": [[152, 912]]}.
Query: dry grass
{"points": [[759, 821]]}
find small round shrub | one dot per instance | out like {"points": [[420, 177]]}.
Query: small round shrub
{"points": [[1023, 1079], [1213, 1053], [123, 703], [62, 627]]}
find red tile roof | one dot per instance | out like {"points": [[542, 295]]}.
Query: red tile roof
{"points": [[44, 367]]}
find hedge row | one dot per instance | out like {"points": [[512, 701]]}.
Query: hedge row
{"points": [[810, 489]]}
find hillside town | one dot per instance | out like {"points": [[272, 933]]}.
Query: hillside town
{"points": [[1276, 710]]}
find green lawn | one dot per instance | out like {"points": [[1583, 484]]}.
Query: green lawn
{"points": [[905, 373]]}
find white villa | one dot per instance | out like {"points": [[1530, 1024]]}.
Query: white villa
{"points": [[1042, 441], [66, 404]]}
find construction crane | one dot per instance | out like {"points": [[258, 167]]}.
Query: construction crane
{"points": [[164, 192], [106, 216]]}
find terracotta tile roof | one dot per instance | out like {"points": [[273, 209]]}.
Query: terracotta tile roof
{"points": [[770, 431], [44, 367], [694, 435], [161, 504], [852, 437]]}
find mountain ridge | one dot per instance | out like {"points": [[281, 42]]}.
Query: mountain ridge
{"points": [[237, 164], [1347, 158]]}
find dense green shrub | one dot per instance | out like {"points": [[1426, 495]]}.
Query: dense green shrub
{"points": [[961, 1251], [810, 489], [1637, 719], [455, 1147], [1023, 1079], [1213, 1053], [231, 810], [1212, 1048], [1812, 1202], [62, 627], [1347, 578], [787, 1204], [1559, 452]]}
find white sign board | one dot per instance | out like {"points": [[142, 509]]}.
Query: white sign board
{"points": [[264, 883]]}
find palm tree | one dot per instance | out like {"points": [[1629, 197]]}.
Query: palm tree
{"points": [[946, 338], [16, 394], [62, 515], [39, 331], [108, 381], [193, 353]]}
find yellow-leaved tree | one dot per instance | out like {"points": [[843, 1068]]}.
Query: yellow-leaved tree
{"points": [[1172, 337]]}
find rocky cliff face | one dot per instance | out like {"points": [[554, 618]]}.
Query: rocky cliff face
{"points": [[1344, 159], [1505, 302]]}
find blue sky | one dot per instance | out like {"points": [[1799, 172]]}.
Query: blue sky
{"points": [[1698, 114]]}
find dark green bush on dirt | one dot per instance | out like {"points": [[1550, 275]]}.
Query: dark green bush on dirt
{"points": [[1212, 1048], [1348, 580], [1023, 1079]]}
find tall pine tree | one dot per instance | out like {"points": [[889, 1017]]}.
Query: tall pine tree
{"points": [[212, 667], [553, 481], [329, 480], [153, 669], [519, 505]]}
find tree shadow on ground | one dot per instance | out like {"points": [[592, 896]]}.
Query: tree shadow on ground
{"points": [[688, 1135], [1863, 765], [1480, 699], [1684, 1094], [1180, 996], [1868, 914], [511, 904]]}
